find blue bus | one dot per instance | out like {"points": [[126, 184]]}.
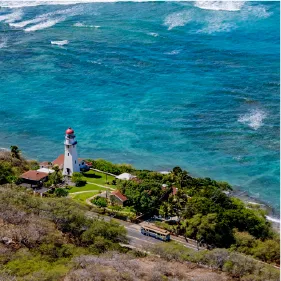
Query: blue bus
{"points": [[153, 231]]}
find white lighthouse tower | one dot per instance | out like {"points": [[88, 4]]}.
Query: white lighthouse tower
{"points": [[71, 163]]}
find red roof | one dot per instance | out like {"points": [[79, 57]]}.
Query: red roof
{"points": [[118, 194], [59, 161], [33, 175], [69, 131], [44, 163]]}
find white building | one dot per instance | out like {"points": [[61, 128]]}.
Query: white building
{"points": [[71, 163], [125, 176]]}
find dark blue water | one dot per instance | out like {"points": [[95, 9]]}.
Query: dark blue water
{"points": [[153, 84]]}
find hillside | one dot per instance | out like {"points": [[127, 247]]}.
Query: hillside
{"points": [[51, 239]]}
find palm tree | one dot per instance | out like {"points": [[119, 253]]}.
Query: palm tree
{"points": [[15, 152], [56, 177]]}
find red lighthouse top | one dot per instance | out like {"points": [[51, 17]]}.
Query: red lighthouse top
{"points": [[69, 131]]}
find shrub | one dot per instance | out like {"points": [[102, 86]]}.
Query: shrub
{"points": [[99, 201], [77, 178], [61, 192]]}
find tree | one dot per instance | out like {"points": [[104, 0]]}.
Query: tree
{"points": [[15, 152], [77, 178], [56, 176], [6, 172]]}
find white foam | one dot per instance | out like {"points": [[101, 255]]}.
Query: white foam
{"points": [[253, 119], [154, 34], [220, 5], [174, 52], [45, 24], [273, 219], [177, 19], [31, 3], [60, 43], [79, 24], [45, 17], [3, 43], [258, 12], [11, 17], [214, 26]]}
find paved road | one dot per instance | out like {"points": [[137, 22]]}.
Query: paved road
{"points": [[138, 240]]}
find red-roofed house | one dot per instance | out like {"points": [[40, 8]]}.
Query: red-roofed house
{"points": [[34, 178], [117, 198], [82, 163], [59, 161]]}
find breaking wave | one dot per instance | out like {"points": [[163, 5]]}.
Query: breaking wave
{"points": [[3, 43], [253, 119], [14, 16], [220, 5], [79, 24], [42, 18], [177, 19], [31, 3], [45, 24], [154, 34], [273, 219], [60, 43], [46, 20]]}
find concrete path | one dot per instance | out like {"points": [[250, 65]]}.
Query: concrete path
{"points": [[99, 185]]}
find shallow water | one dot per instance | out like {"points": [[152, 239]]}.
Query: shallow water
{"points": [[152, 84]]}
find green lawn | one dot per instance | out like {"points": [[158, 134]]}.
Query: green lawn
{"points": [[83, 196], [87, 187], [98, 178]]}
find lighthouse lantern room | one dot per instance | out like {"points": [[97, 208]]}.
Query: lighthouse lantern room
{"points": [[71, 163]]}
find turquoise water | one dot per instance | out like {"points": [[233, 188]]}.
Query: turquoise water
{"points": [[153, 84]]}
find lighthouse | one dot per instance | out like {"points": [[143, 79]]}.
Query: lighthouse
{"points": [[71, 163]]}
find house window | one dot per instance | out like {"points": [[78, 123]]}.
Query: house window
{"points": [[67, 154], [75, 161]]}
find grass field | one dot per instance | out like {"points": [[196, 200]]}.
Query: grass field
{"points": [[87, 187], [83, 196], [98, 178], [93, 179]]}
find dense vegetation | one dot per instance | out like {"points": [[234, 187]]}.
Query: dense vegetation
{"points": [[44, 238], [109, 167], [237, 265], [40, 237], [205, 212]]}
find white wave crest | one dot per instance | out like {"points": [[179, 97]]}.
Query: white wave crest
{"points": [[253, 119], [177, 19], [79, 24], [45, 24], [214, 26], [258, 12], [31, 3], [220, 5], [3, 43], [174, 52], [154, 34], [11, 17], [60, 43], [47, 16], [273, 219]]}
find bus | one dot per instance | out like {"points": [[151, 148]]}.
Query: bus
{"points": [[153, 231]]}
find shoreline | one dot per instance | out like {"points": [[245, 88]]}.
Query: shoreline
{"points": [[247, 199], [272, 215]]}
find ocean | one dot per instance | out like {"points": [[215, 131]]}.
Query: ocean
{"points": [[154, 84]]}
